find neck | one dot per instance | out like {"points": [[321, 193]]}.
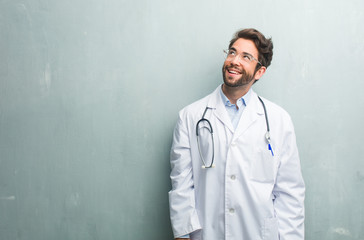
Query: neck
{"points": [[234, 93]]}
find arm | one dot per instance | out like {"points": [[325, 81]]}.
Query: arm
{"points": [[289, 191], [183, 214]]}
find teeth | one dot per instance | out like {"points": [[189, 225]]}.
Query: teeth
{"points": [[234, 72]]}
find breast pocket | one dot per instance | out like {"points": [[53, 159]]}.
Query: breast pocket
{"points": [[263, 166]]}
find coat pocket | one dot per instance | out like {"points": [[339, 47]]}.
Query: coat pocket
{"points": [[263, 166], [270, 230]]}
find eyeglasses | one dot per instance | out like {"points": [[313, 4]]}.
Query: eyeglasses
{"points": [[244, 57]]}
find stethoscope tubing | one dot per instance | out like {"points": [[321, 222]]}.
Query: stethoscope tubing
{"points": [[203, 119]]}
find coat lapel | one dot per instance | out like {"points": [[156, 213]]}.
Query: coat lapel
{"points": [[220, 112], [250, 114]]}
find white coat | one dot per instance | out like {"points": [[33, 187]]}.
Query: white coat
{"points": [[250, 194]]}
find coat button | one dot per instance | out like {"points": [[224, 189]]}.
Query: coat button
{"points": [[233, 177], [231, 210]]}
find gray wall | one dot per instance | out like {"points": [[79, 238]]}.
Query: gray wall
{"points": [[90, 91]]}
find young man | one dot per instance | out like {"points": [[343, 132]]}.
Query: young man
{"points": [[250, 185]]}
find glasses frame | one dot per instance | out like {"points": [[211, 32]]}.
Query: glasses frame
{"points": [[241, 55]]}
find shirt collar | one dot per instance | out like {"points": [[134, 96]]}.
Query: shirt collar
{"points": [[244, 100]]}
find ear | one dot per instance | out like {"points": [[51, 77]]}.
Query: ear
{"points": [[260, 72]]}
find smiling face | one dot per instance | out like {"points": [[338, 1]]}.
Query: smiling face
{"points": [[240, 73]]}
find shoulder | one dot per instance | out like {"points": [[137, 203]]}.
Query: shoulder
{"points": [[275, 112], [281, 126], [190, 114], [274, 109], [196, 108]]}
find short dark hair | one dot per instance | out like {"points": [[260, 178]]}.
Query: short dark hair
{"points": [[263, 44]]}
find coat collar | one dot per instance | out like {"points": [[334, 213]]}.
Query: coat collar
{"points": [[251, 112]]}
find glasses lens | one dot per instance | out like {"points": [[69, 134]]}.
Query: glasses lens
{"points": [[247, 58]]}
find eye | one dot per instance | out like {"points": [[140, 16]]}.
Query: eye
{"points": [[247, 57], [231, 52]]}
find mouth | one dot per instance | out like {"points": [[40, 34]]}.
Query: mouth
{"points": [[233, 71]]}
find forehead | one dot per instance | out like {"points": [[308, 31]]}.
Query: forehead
{"points": [[245, 45]]}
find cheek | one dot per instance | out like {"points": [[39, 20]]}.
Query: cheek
{"points": [[229, 64], [225, 64], [251, 71]]}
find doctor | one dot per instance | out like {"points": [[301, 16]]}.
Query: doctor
{"points": [[236, 173]]}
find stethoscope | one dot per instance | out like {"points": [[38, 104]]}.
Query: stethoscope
{"points": [[209, 128]]}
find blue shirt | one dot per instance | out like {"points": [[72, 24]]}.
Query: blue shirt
{"points": [[235, 110]]}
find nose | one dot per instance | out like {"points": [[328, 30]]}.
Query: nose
{"points": [[235, 59]]}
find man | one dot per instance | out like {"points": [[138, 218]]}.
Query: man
{"points": [[250, 185]]}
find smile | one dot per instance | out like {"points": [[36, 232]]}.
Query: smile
{"points": [[233, 71]]}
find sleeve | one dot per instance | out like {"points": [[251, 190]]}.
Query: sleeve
{"points": [[183, 213], [185, 236], [289, 190]]}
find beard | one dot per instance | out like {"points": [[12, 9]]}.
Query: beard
{"points": [[245, 78]]}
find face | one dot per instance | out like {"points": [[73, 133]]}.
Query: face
{"points": [[237, 72]]}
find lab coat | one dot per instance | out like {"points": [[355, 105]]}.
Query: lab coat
{"points": [[249, 194]]}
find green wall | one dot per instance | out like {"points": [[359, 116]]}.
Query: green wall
{"points": [[90, 91]]}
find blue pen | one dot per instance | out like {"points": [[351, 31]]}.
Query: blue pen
{"points": [[267, 136]]}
